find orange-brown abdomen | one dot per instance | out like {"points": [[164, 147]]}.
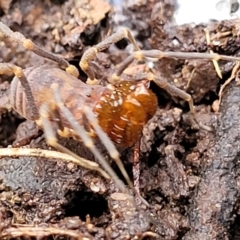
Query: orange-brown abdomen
{"points": [[124, 111]]}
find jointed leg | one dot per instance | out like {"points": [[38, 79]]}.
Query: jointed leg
{"points": [[90, 54], [116, 76], [45, 113], [80, 131], [141, 55], [107, 143], [157, 54], [136, 167], [29, 45], [162, 83], [172, 90], [10, 69]]}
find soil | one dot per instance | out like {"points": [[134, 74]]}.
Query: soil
{"points": [[189, 173]]}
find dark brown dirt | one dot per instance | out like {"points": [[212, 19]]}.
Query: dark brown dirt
{"points": [[189, 176]]}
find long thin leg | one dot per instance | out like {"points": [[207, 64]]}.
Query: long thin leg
{"points": [[115, 155], [161, 82], [136, 167], [107, 143], [45, 113], [172, 90], [116, 76], [10, 69], [29, 45], [79, 130], [90, 54], [157, 54]]}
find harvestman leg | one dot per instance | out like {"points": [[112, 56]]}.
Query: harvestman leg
{"points": [[29, 45], [115, 155], [11, 69], [162, 83], [51, 139], [45, 112], [140, 55], [157, 54], [136, 167], [107, 143], [91, 53], [7, 68]]}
